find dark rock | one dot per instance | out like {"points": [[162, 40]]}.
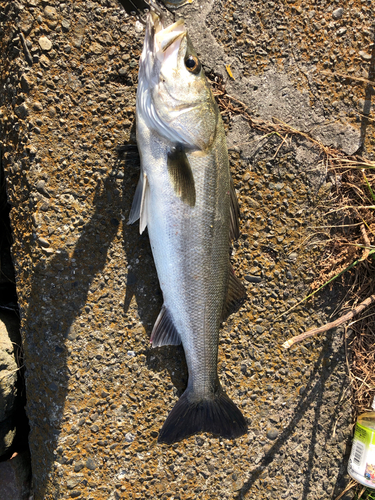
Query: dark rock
{"points": [[15, 478], [79, 466], [253, 279], [91, 464], [25, 84], [21, 111]]}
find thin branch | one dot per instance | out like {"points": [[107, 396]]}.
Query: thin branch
{"points": [[367, 250], [349, 77], [348, 316]]}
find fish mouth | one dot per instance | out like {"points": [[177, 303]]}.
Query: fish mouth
{"points": [[169, 40], [166, 37], [175, 4], [160, 39]]}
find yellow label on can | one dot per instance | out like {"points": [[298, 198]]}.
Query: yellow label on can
{"points": [[362, 458]]}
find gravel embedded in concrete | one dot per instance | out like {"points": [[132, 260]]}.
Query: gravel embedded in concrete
{"points": [[72, 166]]}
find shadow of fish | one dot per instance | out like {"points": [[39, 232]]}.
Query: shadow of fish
{"points": [[186, 199]]}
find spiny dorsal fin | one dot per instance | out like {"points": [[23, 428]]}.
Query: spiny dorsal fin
{"points": [[138, 210], [164, 331], [234, 230], [235, 292], [181, 175]]}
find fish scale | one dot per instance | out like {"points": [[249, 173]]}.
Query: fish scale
{"points": [[186, 199]]}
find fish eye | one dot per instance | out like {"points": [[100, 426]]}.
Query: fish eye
{"points": [[192, 64]]}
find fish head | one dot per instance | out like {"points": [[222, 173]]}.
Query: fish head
{"points": [[177, 100]]}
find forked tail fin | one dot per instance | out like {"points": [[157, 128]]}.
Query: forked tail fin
{"points": [[217, 415]]}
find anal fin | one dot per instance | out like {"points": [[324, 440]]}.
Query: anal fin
{"points": [[236, 292], [164, 331], [234, 229]]}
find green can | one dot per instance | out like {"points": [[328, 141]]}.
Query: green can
{"points": [[361, 465]]}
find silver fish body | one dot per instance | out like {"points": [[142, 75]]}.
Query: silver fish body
{"points": [[186, 199], [175, 4]]}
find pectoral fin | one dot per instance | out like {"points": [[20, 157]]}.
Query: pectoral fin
{"points": [[139, 205], [235, 293], [181, 175], [164, 331]]}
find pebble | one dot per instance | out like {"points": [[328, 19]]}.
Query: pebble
{"points": [[50, 14], [252, 203], [41, 187], [96, 48], [25, 84], [45, 43], [341, 31], [52, 111], [293, 256], [65, 24], [365, 55], [79, 466], [73, 481], [272, 433], [37, 106], [43, 242], [138, 27], [21, 111], [129, 437], [91, 464], [337, 13], [44, 61], [278, 186], [79, 31], [253, 279], [48, 251]]}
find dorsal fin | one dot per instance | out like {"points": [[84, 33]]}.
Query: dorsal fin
{"points": [[164, 331], [236, 292], [181, 175], [234, 230]]}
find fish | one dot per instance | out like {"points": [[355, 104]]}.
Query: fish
{"points": [[186, 198], [175, 4]]}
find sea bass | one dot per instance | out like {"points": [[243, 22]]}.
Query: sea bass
{"points": [[175, 4], [186, 199]]}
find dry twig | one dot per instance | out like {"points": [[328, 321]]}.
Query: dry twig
{"points": [[347, 317]]}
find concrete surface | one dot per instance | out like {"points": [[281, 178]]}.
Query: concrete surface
{"points": [[88, 291]]}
